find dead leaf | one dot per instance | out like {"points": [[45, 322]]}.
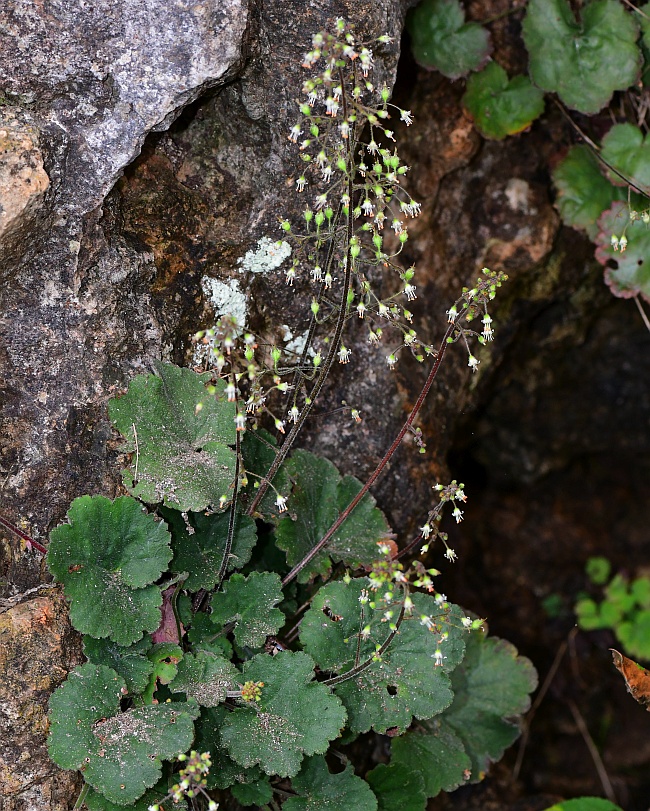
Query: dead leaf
{"points": [[637, 678]]}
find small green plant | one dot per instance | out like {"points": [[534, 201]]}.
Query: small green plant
{"points": [[584, 60], [625, 608], [246, 603]]}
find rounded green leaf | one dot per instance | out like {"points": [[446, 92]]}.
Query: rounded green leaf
{"points": [[626, 149], [105, 556], [200, 553], [295, 715], [206, 677], [437, 754], [397, 788], [259, 793], [632, 274], [582, 191], [499, 106], [585, 804], [250, 603], [318, 497], [180, 441], [340, 632], [118, 753], [583, 61], [155, 795], [318, 790], [131, 663], [441, 39]]}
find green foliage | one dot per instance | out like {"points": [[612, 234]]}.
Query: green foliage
{"points": [[295, 715], [249, 603], [181, 439], [191, 619], [397, 787], [491, 687], [502, 106], [319, 790], [632, 273], [119, 753], [199, 542], [441, 39], [106, 556], [582, 191], [583, 61], [319, 495], [585, 804], [625, 608], [628, 152]]}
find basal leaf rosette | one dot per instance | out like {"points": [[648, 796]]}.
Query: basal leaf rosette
{"points": [[295, 715], [106, 556], [502, 106], [249, 603], [492, 689], [318, 497], [628, 151], [410, 680], [632, 274], [119, 753], [441, 39], [200, 552], [319, 790], [181, 438], [584, 61]]}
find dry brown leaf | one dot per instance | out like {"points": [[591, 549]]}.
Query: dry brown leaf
{"points": [[637, 678]]}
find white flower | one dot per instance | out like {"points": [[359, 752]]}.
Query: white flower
{"points": [[372, 147], [391, 360], [452, 313], [396, 225], [331, 107], [361, 309], [311, 98], [321, 159], [344, 129], [451, 555], [231, 392], [438, 658], [301, 183], [488, 334], [344, 354], [409, 292], [294, 413], [295, 133], [321, 201], [326, 174], [406, 117], [290, 275], [426, 530], [281, 503], [458, 515], [367, 208], [240, 421], [467, 622], [317, 273], [427, 622], [279, 426], [473, 362]]}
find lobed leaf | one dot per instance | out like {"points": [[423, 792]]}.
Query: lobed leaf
{"points": [[632, 274], [105, 556], [582, 191], [205, 677], [584, 61], [319, 495], [250, 603], [118, 753], [397, 788], [625, 148], [154, 796], [405, 683], [225, 771], [295, 715], [319, 790], [180, 440], [131, 663], [500, 106], [441, 39], [259, 793], [200, 552], [491, 687]]}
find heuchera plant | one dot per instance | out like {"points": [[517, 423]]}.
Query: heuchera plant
{"points": [[247, 612]]}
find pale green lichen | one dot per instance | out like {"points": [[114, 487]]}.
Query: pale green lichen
{"points": [[268, 255]]}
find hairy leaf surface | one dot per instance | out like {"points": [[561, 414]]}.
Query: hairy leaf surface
{"points": [[205, 677], [119, 753], [180, 440], [319, 495], [441, 39], [405, 683], [583, 61], [295, 715], [105, 556], [397, 788], [626, 149], [154, 796], [500, 106], [225, 771], [318, 790], [250, 603], [131, 663]]}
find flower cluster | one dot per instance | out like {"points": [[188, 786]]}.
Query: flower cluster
{"points": [[191, 780]]}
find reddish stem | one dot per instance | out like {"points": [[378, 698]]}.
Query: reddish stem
{"points": [[29, 541], [380, 467]]}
